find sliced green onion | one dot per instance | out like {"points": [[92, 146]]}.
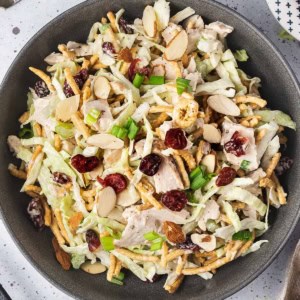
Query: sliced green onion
{"points": [[133, 131], [195, 173], [210, 176], [122, 133], [116, 281], [191, 197], [157, 245], [107, 243], [138, 80], [128, 123], [181, 85], [198, 182], [243, 235], [92, 116], [115, 235], [65, 130], [26, 132], [120, 276], [244, 165], [115, 130], [151, 236], [156, 80]]}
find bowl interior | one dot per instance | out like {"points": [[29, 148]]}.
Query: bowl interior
{"points": [[278, 87]]}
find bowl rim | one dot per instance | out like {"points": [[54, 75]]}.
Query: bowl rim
{"points": [[229, 11]]}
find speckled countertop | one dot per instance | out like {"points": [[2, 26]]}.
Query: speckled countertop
{"points": [[18, 25]]}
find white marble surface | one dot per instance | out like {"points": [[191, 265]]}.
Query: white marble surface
{"points": [[21, 22]]}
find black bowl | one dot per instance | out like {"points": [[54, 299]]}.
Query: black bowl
{"points": [[280, 88]]}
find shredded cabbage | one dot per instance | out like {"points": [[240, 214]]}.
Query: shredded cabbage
{"points": [[241, 55], [33, 141], [272, 149], [57, 161], [92, 220], [235, 78], [255, 246], [126, 40], [140, 112], [79, 204], [77, 260], [239, 194], [149, 138], [277, 116], [218, 87], [248, 223], [34, 171], [232, 216]]}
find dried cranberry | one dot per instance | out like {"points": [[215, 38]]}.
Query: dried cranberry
{"points": [[84, 164], [225, 176], [92, 239], [80, 78], [236, 145], [117, 181], [150, 164], [83, 74], [35, 211], [174, 200], [61, 178], [41, 89], [285, 163], [188, 244], [144, 71], [124, 26], [175, 138], [108, 48], [68, 90], [134, 68]]}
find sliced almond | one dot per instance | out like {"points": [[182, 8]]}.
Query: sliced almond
{"points": [[101, 88], [209, 161], [211, 134], [116, 214], [149, 21], [66, 108], [128, 197], [177, 47], [119, 88], [98, 171], [95, 268], [105, 141], [106, 201], [205, 241], [223, 105]]}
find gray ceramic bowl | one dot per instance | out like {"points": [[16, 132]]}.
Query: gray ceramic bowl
{"points": [[279, 87]]}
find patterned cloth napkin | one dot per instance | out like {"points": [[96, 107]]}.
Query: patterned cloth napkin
{"points": [[292, 291]]}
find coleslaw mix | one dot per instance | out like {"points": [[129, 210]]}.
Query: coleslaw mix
{"points": [[148, 148]]}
